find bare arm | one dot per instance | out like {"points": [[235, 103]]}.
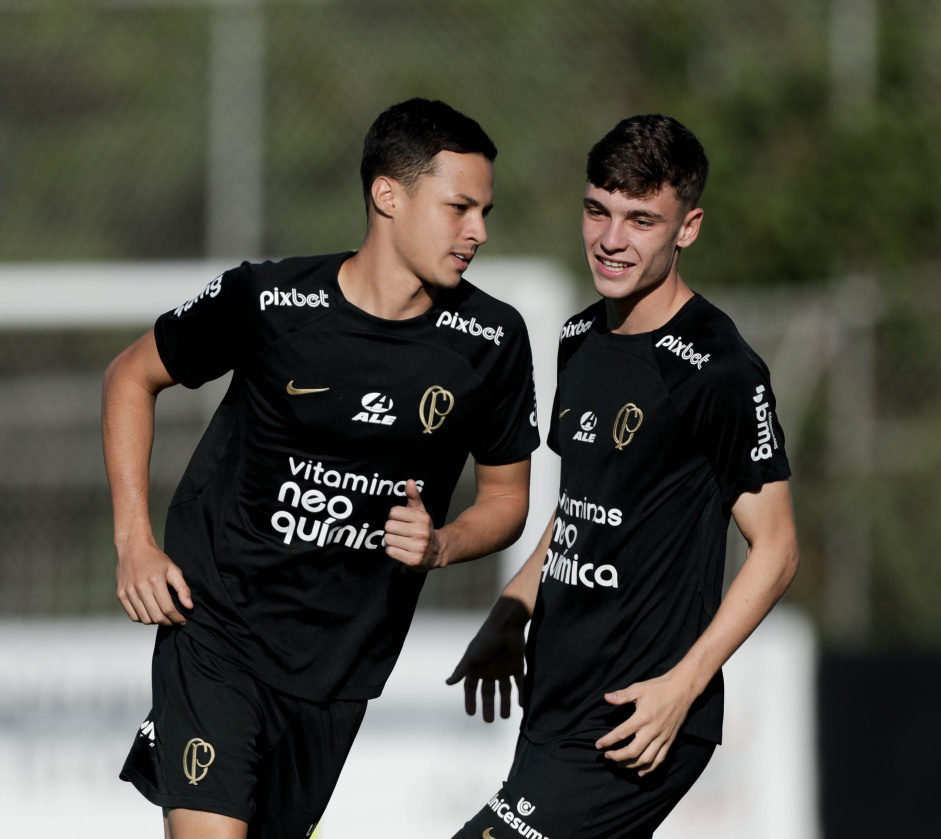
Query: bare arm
{"points": [[494, 521], [495, 655], [766, 520], [144, 572]]}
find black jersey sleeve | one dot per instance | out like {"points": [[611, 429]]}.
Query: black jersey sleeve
{"points": [[736, 425], [209, 335], [509, 430]]}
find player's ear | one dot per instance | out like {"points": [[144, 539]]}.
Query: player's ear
{"points": [[690, 229], [385, 192]]}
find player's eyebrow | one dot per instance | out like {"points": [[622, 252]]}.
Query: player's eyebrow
{"points": [[473, 202], [644, 214], [592, 204]]}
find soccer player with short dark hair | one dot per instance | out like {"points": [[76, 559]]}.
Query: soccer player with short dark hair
{"points": [[361, 381], [665, 422]]}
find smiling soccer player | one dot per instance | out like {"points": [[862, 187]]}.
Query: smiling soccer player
{"points": [[665, 422]]}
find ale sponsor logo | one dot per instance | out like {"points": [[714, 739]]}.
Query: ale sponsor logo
{"points": [[587, 423], [376, 407]]}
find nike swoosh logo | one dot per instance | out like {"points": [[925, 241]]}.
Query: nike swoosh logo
{"points": [[564, 412], [298, 391], [487, 834]]}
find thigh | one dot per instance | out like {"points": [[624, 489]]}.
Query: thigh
{"points": [[200, 747], [566, 789], [299, 773]]}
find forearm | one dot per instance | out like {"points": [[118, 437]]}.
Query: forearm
{"points": [[763, 579], [525, 585], [128, 401], [491, 524], [127, 436]]}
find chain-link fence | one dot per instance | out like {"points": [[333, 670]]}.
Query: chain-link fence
{"points": [[180, 129]]}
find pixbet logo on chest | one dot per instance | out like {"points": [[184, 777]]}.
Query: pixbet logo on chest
{"points": [[292, 298], [684, 351], [470, 326], [377, 407], [572, 329]]}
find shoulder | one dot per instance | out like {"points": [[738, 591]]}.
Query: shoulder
{"points": [[577, 328], [702, 343], [470, 318], [287, 274], [288, 292]]}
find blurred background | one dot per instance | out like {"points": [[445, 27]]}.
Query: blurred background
{"points": [[147, 144]]}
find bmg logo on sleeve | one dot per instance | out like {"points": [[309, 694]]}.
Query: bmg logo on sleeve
{"points": [[767, 442]]}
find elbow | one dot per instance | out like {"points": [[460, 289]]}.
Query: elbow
{"points": [[790, 564], [519, 523]]}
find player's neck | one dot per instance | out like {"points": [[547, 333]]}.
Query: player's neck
{"points": [[375, 283], [648, 310]]}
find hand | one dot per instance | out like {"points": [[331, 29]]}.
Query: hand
{"points": [[661, 706], [144, 576], [493, 657], [410, 534]]}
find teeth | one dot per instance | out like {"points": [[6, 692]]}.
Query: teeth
{"points": [[617, 266]]}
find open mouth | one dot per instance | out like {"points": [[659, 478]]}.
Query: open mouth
{"points": [[613, 266]]}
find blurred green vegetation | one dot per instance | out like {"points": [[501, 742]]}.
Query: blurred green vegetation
{"points": [[105, 123]]}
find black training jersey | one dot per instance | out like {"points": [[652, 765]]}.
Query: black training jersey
{"points": [[278, 522], [659, 433]]}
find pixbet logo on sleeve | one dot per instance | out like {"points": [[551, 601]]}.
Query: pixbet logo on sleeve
{"points": [[292, 298], [470, 326]]}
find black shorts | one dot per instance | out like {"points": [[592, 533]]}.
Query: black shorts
{"points": [[219, 740], [567, 789]]}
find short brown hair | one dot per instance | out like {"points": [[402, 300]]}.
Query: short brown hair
{"points": [[643, 153]]}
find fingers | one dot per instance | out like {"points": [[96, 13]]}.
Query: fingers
{"points": [[470, 696], [642, 759], [488, 689], [459, 673], [175, 579], [506, 698], [410, 533], [148, 601], [620, 697], [412, 494]]}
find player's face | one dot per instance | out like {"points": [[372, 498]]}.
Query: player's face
{"points": [[631, 244], [441, 222]]}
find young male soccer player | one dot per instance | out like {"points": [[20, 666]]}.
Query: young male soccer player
{"points": [[361, 382], [665, 422]]}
